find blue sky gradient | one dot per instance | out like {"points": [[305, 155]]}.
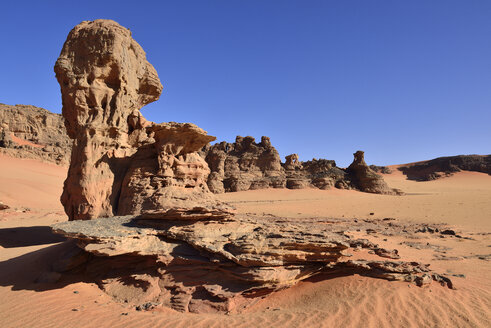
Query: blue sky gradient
{"points": [[402, 80]]}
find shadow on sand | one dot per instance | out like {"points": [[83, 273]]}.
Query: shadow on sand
{"points": [[28, 236], [24, 272]]}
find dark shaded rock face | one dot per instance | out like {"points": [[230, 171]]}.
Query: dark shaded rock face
{"points": [[445, 166], [381, 169], [319, 173], [247, 165], [33, 132], [243, 165]]}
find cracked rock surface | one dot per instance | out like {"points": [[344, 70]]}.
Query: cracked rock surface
{"points": [[226, 265]]}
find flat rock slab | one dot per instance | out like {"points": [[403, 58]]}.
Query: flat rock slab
{"points": [[221, 266]]}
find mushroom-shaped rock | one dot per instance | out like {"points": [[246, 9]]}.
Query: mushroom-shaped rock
{"points": [[121, 163]]}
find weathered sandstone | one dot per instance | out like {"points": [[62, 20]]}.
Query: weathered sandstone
{"points": [[226, 265], [365, 179], [33, 132], [381, 169], [120, 162], [244, 165], [446, 166], [247, 165]]}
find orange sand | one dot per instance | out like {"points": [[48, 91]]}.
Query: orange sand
{"points": [[463, 200], [21, 141]]}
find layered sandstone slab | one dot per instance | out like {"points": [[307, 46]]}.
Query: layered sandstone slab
{"points": [[226, 265]]}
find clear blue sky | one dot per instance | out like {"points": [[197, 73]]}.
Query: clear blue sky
{"points": [[402, 80]]}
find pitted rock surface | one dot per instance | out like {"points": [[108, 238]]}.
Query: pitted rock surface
{"points": [[121, 163], [33, 132], [244, 165], [215, 266], [247, 165]]}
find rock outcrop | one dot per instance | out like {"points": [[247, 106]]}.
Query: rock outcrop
{"points": [[121, 163], [225, 266], [381, 169], [318, 173], [365, 179], [446, 166], [247, 165], [33, 132], [244, 165]]}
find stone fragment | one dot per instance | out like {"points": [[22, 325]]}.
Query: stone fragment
{"points": [[3, 206]]}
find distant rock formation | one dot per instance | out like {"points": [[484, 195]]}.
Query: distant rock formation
{"points": [[365, 179], [446, 166], [121, 163], [33, 132], [381, 169], [319, 173], [247, 165], [243, 165]]}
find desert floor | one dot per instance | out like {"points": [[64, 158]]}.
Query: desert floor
{"points": [[463, 201]]}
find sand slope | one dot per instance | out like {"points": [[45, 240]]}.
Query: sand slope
{"points": [[464, 201]]}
